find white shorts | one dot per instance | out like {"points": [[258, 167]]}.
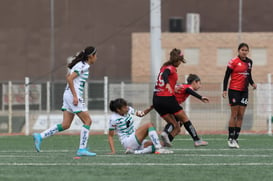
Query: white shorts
{"points": [[132, 142], [69, 106]]}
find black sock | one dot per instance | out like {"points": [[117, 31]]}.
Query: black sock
{"points": [[191, 130], [170, 137], [168, 129], [237, 132], [231, 132]]}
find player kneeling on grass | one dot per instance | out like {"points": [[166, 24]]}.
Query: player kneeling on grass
{"points": [[182, 92], [132, 140]]}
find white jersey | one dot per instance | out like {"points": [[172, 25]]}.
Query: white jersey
{"points": [[123, 125], [82, 70]]}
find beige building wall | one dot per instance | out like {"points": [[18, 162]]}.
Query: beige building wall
{"points": [[206, 63]]}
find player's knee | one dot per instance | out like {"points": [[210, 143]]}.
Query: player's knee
{"points": [[87, 122], [240, 117]]}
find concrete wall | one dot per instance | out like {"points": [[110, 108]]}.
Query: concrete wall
{"points": [[208, 44], [25, 31]]}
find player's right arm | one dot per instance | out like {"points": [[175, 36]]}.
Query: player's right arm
{"points": [[111, 134], [69, 79], [144, 112], [226, 78]]}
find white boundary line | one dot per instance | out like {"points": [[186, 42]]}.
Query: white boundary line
{"points": [[125, 155], [204, 149], [136, 164]]}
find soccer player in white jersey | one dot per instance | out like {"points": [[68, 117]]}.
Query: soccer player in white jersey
{"points": [[132, 140], [73, 102]]}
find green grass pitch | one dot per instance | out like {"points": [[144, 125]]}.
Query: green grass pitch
{"points": [[253, 161]]}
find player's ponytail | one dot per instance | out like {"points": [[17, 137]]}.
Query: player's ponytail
{"points": [[175, 56], [82, 56]]}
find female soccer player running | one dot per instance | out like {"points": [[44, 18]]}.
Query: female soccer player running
{"points": [[132, 139], [239, 69], [73, 102], [182, 92]]}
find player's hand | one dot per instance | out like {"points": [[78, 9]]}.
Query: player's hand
{"points": [[140, 113], [169, 88], [205, 99], [224, 94], [254, 86], [177, 89], [75, 100]]}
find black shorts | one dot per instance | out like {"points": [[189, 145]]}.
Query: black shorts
{"points": [[166, 105], [238, 97]]}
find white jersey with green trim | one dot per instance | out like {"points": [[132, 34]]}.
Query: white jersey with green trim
{"points": [[82, 70], [123, 125]]}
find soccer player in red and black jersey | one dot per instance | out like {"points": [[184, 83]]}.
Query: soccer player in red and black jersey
{"points": [[239, 72], [182, 92], [164, 101]]}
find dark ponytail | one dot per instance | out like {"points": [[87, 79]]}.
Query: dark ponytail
{"points": [[82, 56]]}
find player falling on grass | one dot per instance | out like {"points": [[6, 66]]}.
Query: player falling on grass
{"points": [[73, 102], [182, 92], [239, 69], [132, 139]]}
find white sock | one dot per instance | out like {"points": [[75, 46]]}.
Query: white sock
{"points": [[84, 136], [146, 150], [154, 137], [49, 132]]}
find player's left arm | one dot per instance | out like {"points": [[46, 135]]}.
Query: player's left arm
{"points": [[111, 134], [251, 82], [198, 96]]}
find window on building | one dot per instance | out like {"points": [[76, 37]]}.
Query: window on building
{"points": [[259, 56], [224, 55], [192, 56]]}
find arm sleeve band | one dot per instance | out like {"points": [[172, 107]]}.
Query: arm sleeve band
{"points": [[193, 93], [228, 72], [165, 75], [250, 78]]}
